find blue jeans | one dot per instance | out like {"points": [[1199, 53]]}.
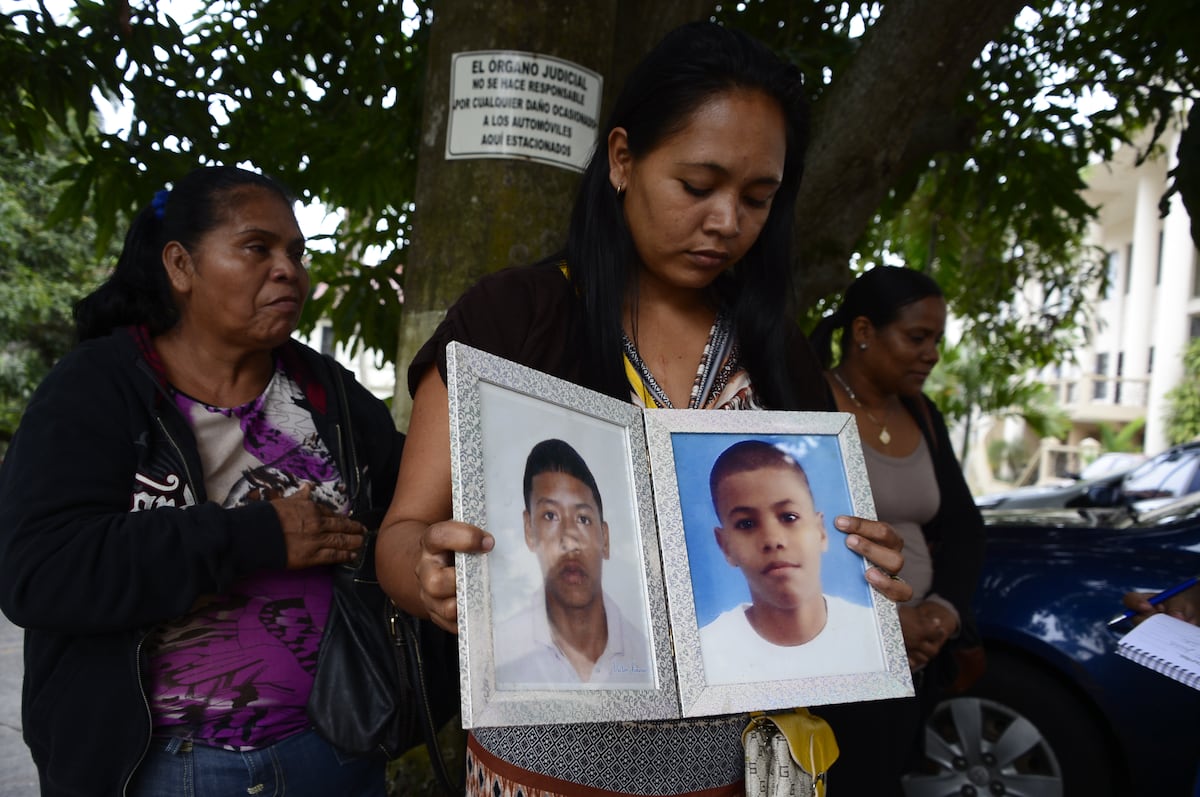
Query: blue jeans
{"points": [[304, 765]]}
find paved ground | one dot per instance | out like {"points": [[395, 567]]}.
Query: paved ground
{"points": [[18, 777]]}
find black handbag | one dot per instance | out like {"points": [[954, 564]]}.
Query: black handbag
{"points": [[362, 701], [372, 688], [385, 682]]}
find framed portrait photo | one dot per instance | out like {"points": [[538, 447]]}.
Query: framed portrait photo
{"points": [[656, 564], [565, 620], [768, 607]]}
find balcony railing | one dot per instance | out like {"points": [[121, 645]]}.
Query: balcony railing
{"points": [[1055, 461], [1103, 396]]}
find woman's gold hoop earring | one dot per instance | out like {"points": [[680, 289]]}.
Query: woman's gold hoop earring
{"points": [[620, 190]]}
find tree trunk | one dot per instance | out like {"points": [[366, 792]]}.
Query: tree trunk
{"points": [[886, 111], [476, 216]]}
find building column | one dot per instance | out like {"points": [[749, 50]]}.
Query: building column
{"points": [[1170, 321], [1134, 336]]}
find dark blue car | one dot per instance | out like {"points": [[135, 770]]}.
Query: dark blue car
{"points": [[1058, 712]]}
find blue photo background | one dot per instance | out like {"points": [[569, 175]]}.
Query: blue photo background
{"points": [[716, 585]]}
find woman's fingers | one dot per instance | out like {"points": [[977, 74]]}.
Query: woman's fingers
{"points": [[893, 587], [313, 534], [435, 569], [448, 537], [879, 543]]}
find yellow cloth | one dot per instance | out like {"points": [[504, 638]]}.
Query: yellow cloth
{"points": [[637, 385]]}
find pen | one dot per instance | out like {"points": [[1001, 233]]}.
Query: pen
{"points": [[1154, 600]]}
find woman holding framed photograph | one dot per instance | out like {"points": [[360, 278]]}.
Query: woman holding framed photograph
{"points": [[673, 291]]}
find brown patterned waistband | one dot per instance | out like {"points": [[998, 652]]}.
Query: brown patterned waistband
{"points": [[490, 776]]}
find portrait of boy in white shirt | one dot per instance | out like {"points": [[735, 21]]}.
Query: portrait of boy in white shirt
{"points": [[771, 530]]}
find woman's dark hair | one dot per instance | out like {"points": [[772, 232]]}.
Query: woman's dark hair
{"points": [[688, 67], [877, 295], [138, 291]]}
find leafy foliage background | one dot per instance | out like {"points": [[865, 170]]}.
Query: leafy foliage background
{"points": [[982, 190]]}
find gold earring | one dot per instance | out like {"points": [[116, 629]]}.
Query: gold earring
{"points": [[620, 190]]}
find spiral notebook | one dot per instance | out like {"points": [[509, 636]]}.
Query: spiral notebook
{"points": [[1165, 644]]}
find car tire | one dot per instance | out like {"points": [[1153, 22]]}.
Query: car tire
{"points": [[1019, 730]]}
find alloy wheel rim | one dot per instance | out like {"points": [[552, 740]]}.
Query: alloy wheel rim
{"points": [[976, 747]]}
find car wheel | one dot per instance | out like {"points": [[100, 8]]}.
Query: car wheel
{"points": [[1019, 732]]}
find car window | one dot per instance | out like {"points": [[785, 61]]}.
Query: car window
{"points": [[1163, 477], [1109, 463]]}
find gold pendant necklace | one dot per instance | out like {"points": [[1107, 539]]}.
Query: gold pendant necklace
{"points": [[884, 436]]}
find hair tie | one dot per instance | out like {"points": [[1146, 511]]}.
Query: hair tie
{"points": [[159, 203]]}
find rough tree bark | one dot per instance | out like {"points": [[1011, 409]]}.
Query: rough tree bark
{"points": [[476, 216]]}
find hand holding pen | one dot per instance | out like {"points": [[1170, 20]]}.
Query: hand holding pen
{"points": [[1181, 600]]}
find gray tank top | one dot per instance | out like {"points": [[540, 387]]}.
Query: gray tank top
{"points": [[907, 496]]}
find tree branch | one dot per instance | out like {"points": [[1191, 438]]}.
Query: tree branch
{"points": [[912, 63]]}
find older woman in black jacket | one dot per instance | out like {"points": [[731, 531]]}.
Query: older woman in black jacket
{"points": [[171, 508]]}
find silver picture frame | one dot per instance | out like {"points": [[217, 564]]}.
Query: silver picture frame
{"points": [[498, 411], [664, 572], [701, 585]]}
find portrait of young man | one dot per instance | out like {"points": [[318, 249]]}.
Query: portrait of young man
{"points": [[775, 601], [569, 633]]}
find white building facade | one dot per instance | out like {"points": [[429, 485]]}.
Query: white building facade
{"points": [[1151, 309]]}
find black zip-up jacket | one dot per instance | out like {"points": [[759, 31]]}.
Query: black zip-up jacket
{"points": [[956, 534], [105, 531]]}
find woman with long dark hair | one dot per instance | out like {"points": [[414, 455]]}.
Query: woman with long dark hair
{"points": [[673, 291]]}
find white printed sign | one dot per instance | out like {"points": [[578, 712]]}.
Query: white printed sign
{"points": [[524, 106]]}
